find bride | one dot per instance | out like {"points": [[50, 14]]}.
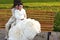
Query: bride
{"points": [[25, 28]]}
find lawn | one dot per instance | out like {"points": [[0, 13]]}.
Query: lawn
{"points": [[27, 1], [55, 6]]}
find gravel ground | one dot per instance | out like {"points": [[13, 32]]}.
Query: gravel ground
{"points": [[40, 36], [2, 34]]}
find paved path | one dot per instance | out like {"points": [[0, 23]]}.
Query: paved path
{"points": [[40, 36], [2, 34]]}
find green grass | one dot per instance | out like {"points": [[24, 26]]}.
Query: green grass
{"points": [[40, 0], [55, 6], [6, 1], [27, 1]]}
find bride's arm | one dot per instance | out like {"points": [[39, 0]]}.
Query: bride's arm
{"points": [[25, 15]]}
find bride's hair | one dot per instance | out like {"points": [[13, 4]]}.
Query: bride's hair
{"points": [[17, 2], [20, 3]]}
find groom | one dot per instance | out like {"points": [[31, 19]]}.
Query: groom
{"points": [[12, 19], [9, 23]]}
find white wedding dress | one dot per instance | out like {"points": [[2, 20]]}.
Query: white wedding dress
{"points": [[24, 30]]}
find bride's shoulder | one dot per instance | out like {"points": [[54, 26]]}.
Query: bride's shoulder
{"points": [[23, 9], [13, 9]]}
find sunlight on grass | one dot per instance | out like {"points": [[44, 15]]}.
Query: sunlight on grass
{"points": [[34, 4], [55, 6], [43, 4]]}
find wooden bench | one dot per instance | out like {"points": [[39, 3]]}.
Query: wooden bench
{"points": [[46, 18]]}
